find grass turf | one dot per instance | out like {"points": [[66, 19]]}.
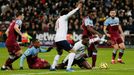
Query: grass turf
{"points": [[104, 55]]}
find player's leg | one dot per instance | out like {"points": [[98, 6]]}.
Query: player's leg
{"points": [[46, 64], [66, 58], [56, 58], [116, 47], [41, 64], [62, 65], [122, 48], [70, 60], [82, 63], [93, 49], [86, 65], [114, 53], [71, 55], [15, 52]]}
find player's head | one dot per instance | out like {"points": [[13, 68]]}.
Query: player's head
{"points": [[64, 11], [92, 14], [112, 13], [36, 43], [85, 39], [20, 15]]}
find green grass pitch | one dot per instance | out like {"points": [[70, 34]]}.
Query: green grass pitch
{"points": [[104, 55]]}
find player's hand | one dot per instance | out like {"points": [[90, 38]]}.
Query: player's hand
{"points": [[123, 37], [79, 5], [108, 35], [21, 68], [49, 49], [23, 36]]}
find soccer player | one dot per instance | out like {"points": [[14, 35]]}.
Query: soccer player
{"points": [[32, 57], [113, 30], [13, 47], [79, 47], [88, 29], [60, 38]]}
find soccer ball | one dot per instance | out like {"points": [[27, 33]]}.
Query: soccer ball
{"points": [[103, 66]]}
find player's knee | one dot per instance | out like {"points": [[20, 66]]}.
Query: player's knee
{"points": [[122, 47], [72, 51], [19, 53], [12, 56], [116, 48]]}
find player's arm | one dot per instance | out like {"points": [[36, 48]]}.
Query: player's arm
{"points": [[88, 24], [43, 50], [73, 11], [16, 27], [76, 47], [90, 29], [105, 31], [106, 23], [7, 32], [94, 39], [120, 29], [22, 58]]}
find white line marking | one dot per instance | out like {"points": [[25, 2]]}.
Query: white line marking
{"points": [[80, 71]]}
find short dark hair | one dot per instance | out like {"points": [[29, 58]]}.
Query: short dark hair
{"points": [[18, 13], [84, 36], [34, 40], [64, 11]]}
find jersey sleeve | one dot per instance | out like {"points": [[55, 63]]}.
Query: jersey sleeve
{"points": [[88, 22], [26, 53], [71, 13], [106, 22], [76, 46], [22, 60], [118, 21], [19, 22], [42, 50]]}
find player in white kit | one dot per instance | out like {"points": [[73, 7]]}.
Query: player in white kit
{"points": [[80, 48], [60, 38]]}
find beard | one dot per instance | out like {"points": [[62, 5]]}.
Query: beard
{"points": [[112, 17]]}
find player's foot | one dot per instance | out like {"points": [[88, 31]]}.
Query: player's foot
{"points": [[70, 70], [10, 67], [93, 65], [93, 68], [113, 62], [52, 69], [120, 61], [61, 66], [4, 68]]}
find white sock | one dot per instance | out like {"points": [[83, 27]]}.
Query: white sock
{"points": [[65, 59], [55, 61], [70, 60]]}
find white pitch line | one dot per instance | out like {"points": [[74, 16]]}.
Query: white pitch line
{"points": [[57, 72], [51, 72]]}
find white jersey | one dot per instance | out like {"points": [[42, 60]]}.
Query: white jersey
{"points": [[80, 49], [62, 26]]}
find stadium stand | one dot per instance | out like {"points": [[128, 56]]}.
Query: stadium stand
{"points": [[40, 15]]}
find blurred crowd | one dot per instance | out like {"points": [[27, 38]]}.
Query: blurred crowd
{"points": [[40, 15]]}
